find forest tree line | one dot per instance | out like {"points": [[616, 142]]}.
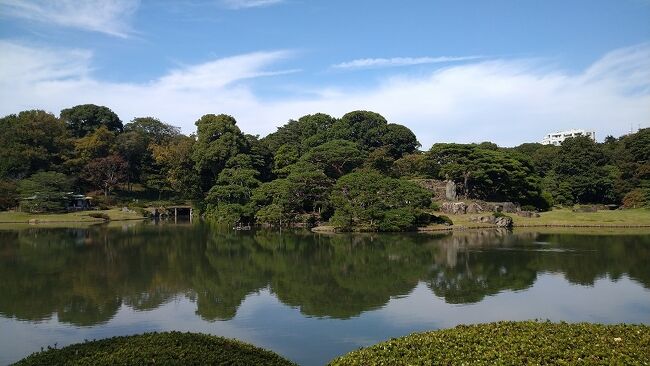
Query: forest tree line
{"points": [[355, 171]]}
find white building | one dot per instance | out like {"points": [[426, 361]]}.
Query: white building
{"points": [[556, 138]]}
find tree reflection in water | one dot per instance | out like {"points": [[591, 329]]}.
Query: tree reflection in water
{"points": [[85, 275]]}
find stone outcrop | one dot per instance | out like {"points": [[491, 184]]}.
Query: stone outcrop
{"points": [[454, 208], [450, 190], [501, 221], [474, 208]]}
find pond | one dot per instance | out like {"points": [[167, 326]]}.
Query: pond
{"points": [[309, 297]]}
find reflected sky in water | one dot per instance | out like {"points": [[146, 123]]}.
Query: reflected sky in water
{"points": [[308, 297]]}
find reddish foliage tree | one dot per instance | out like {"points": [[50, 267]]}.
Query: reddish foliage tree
{"points": [[106, 173]]}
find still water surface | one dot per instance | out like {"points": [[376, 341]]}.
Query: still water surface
{"points": [[308, 297]]}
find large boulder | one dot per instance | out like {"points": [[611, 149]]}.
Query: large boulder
{"points": [[508, 207], [503, 221], [474, 208], [500, 221], [454, 208]]}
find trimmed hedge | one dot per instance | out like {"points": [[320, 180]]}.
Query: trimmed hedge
{"points": [[169, 348], [513, 343]]}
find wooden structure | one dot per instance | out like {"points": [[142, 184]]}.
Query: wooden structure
{"points": [[182, 210]]}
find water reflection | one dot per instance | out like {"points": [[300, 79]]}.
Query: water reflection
{"points": [[83, 276]]}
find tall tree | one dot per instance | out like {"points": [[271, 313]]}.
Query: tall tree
{"points": [[32, 141], [218, 139], [156, 132], [363, 127], [106, 173], [582, 169], [84, 119], [174, 168]]}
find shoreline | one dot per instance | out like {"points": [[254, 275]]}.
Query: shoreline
{"points": [[78, 217]]}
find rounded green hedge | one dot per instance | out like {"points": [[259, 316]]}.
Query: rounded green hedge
{"points": [[169, 348], [513, 343]]}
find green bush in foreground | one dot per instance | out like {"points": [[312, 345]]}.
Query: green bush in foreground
{"points": [[171, 348], [513, 343]]}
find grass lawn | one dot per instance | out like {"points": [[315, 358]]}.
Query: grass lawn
{"points": [[81, 216], [557, 218], [565, 217]]}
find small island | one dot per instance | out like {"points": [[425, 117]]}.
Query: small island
{"points": [[355, 173]]}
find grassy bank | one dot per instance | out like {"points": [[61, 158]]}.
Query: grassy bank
{"points": [[559, 218], [72, 217], [513, 343], [171, 348]]}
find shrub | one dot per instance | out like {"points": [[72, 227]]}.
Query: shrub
{"points": [[512, 343], [636, 198], [498, 214], [435, 206], [170, 348], [441, 220], [399, 219]]}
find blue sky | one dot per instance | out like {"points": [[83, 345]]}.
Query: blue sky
{"points": [[463, 71]]}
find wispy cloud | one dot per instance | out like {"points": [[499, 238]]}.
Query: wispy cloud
{"points": [[508, 101], [222, 72], [245, 4], [368, 63], [105, 16]]}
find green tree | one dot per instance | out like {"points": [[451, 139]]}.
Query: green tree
{"points": [[156, 132], [8, 194], [133, 147], [336, 157], [86, 118], [399, 140], [308, 131], [489, 174], [363, 127], [286, 155], [367, 200], [31, 141], [96, 144], [416, 165], [582, 173], [218, 140], [173, 168], [44, 191]]}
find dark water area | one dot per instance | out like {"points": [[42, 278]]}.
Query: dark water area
{"points": [[309, 297]]}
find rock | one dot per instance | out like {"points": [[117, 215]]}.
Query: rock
{"points": [[503, 221], [450, 190], [454, 208], [473, 208], [33, 221], [125, 209]]}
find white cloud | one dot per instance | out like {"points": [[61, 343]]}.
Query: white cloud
{"points": [[224, 71], [245, 4], [105, 16], [505, 101], [367, 63]]}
